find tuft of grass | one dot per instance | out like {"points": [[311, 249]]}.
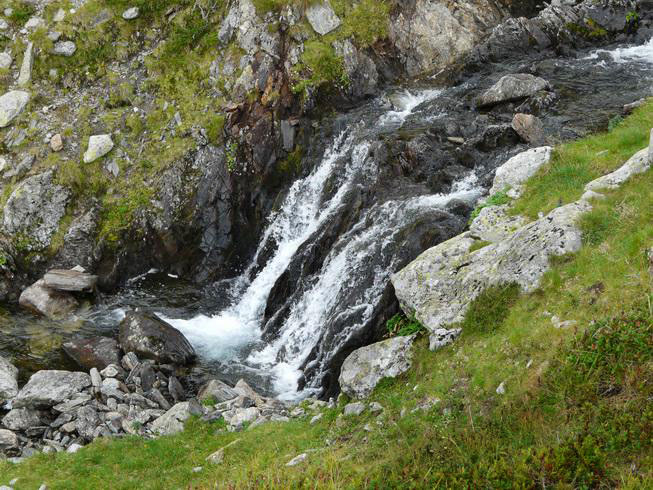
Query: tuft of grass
{"points": [[400, 326], [478, 244], [488, 312], [496, 199]]}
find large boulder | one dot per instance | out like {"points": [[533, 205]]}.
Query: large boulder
{"points": [[47, 388], [512, 87], [97, 352], [70, 280], [11, 105], [517, 170], [152, 338], [8, 380], [22, 419], [365, 367], [25, 213], [173, 420], [40, 299]]}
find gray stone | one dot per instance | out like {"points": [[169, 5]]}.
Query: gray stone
{"points": [[11, 105], [242, 388], [355, 409], [21, 419], [288, 135], [5, 61], [365, 367], [173, 420], [98, 146], [131, 13], [529, 128], [637, 164], [64, 48], [322, 18], [34, 23], [25, 214], [129, 361], [48, 388], [70, 280], [72, 404], [493, 224], [442, 337], [297, 460], [87, 421], [217, 390], [113, 371], [97, 352], [56, 143], [25, 75], [512, 87], [8, 380], [218, 456], [59, 15], [8, 440], [316, 419], [517, 170], [44, 301], [152, 338], [73, 448], [376, 408], [176, 390], [243, 415]]}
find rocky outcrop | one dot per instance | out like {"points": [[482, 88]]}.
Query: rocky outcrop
{"points": [[365, 367], [322, 17], [152, 338], [97, 352]]}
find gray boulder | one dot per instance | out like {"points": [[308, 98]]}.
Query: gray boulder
{"points": [[217, 390], [40, 299], [517, 170], [322, 18], [48, 388], [172, 422], [8, 440], [152, 338], [493, 224], [21, 419], [8, 380], [70, 280], [529, 128], [365, 367], [64, 48], [26, 214], [98, 352], [512, 87], [11, 105], [98, 146], [25, 75]]}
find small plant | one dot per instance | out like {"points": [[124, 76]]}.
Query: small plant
{"points": [[400, 326], [232, 151], [478, 244], [210, 401], [3, 260], [496, 199]]}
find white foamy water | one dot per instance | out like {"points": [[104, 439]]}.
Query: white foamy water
{"points": [[642, 54], [404, 104]]}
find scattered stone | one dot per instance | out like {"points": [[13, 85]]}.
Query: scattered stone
{"points": [[34, 23], [11, 105], [529, 128], [98, 146], [56, 143], [98, 352], [130, 361], [42, 300], [637, 164], [322, 18], [113, 371], [297, 460], [628, 108], [356, 409], [456, 140], [176, 390], [8, 439], [297, 412], [197, 469], [54, 36], [5, 61], [21, 419], [557, 323], [71, 405], [442, 337], [512, 87], [25, 75], [365, 367], [64, 48], [8, 380], [47, 388], [501, 389], [172, 422], [73, 448], [152, 338], [217, 390], [59, 15], [376, 408], [131, 13], [218, 456], [316, 419]]}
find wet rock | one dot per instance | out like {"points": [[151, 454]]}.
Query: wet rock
{"points": [[21, 419], [11, 105], [152, 338], [70, 280], [512, 87], [24, 213], [65, 48], [217, 390], [365, 367], [97, 352], [516, 171], [98, 146], [8, 380], [173, 420], [360, 69], [529, 128], [48, 388], [42, 300], [322, 17]]}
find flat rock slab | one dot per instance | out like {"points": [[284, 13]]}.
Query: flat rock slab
{"points": [[48, 388], [322, 18], [365, 367], [512, 87], [217, 390], [98, 352], [152, 338], [8, 380], [70, 280], [40, 299], [11, 105]]}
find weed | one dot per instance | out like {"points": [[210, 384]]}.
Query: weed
{"points": [[400, 325]]}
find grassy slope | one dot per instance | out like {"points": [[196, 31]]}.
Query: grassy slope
{"points": [[579, 417]]}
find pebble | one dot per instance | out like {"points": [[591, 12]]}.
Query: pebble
{"points": [[501, 389], [64, 48], [131, 13]]}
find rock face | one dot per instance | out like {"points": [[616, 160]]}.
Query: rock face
{"points": [[98, 146], [322, 18], [173, 420], [8, 380], [432, 35], [152, 338], [520, 168], [11, 104], [98, 352], [512, 87], [25, 213], [70, 280], [42, 300], [47, 388], [365, 367]]}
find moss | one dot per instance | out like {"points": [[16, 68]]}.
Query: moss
{"points": [[590, 29], [324, 65], [478, 244], [496, 199]]}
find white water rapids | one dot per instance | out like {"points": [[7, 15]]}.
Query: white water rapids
{"points": [[304, 210]]}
